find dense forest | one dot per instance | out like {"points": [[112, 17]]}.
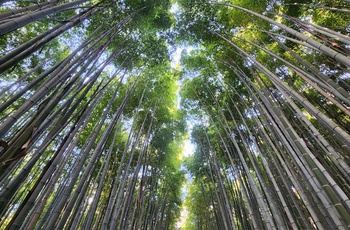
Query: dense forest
{"points": [[100, 98]]}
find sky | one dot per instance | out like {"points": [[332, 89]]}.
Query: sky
{"points": [[188, 148]]}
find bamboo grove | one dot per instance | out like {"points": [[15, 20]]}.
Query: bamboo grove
{"points": [[91, 133], [269, 88], [89, 124]]}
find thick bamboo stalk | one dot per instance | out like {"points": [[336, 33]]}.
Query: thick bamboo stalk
{"points": [[319, 46], [32, 17], [14, 12]]}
